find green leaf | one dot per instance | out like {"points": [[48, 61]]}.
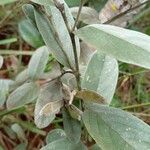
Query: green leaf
{"points": [[86, 53], [88, 15], [22, 77], [38, 62], [72, 127], [4, 90], [62, 34], [114, 129], [48, 104], [101, 75], [4, 2], [70, 21], [64, 144], [123, 44], [1, 61], [28, 10], [54, 135], [90, 96], [24, 94], [50, 38], [30, 34]]}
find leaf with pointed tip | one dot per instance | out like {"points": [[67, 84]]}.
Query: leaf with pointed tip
{"points": [[38, 62], [30, 34], [1, 61], [70, 21], [28, 10], [90, 96], [23, 95], [64, 144], [88, 15], [101, 75], [114, 129], [123, 44], [50, 93], [62, 34], [72, 127], [50, 38], [54, 135], [4, 90]]}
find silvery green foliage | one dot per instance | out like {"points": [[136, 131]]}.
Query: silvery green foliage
{"points": [[38, 63], [55, 135], [30, 34], [24, 94], [55, 44], [22, 77], [28, 10], [72, 127], [64, 144], [123, 44], [48, 104], [113, 129], [101, 75], [4, 90]]}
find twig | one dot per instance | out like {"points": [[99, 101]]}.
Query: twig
{"points": [[58, 77], [15, 52], [78, 15], [76, 62], [126, 12], [136, 106], [141, 114]]}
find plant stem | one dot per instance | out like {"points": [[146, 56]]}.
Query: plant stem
{"points": [[50, 80], [15, 52], [141, 114], [77, 74], [78, 15], [126, 12], [17, 110], [30, 127], [136, 106]]}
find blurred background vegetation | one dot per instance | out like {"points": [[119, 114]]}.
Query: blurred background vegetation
{"points": [[19, 39]]}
